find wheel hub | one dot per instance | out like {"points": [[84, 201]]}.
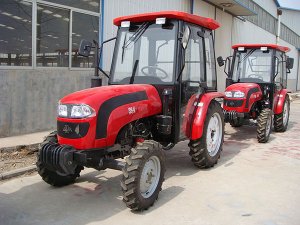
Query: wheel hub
{"points": [[150, 176], [214, 134], [285, 113]]}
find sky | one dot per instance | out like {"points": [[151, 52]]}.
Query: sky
{"points": [[293, 4]]}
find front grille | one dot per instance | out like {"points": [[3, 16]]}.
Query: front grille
{"points": [[233, 103], [72, 130]]}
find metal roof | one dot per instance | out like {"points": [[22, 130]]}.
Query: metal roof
{"points": [[234, 7]]}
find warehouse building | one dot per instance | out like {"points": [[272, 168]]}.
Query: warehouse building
{"points": [[39, 39]]}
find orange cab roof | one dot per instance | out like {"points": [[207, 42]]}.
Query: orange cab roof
{"points": [[199, 20], [273, 46]]}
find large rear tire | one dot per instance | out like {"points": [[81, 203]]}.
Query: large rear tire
{"points": [[206, 151], [264, 125], [143, 175], [281, 120], [52, 177]]}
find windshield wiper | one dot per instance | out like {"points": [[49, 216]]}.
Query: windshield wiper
{"points": [[137, 34], [134, 71], [123, 49]]}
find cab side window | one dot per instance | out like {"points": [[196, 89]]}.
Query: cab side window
{"points": [[210, 63], [280, 65], [193, 72]]}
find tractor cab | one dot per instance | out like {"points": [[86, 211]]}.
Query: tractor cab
{"points": [[259, 63], [172, 51], [256, 85]]}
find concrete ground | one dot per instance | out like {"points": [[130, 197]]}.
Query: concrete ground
{"points": [[252, 184], [26, 139]]}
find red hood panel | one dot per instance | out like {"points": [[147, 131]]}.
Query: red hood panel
{"points": [[115, 106], [245, 87], [94, 97]]}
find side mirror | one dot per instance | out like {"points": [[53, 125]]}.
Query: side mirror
{"points": [[186, 37], [220, 61], [85, 48], [289, 63]]}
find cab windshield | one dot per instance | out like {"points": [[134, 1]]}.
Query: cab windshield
{"points": [[145, 53], [252, 65]]}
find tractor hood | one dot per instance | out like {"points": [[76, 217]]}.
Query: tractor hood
{"points": [[243, 87], [95, 97], [115, 106]]}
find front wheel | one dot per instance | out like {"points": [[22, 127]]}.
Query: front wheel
{"points": [[143, 175], [52, 177], [206, 151], [281, 120], [264, 125]]}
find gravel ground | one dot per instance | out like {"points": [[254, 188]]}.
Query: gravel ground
{"points": [[17, 159]]}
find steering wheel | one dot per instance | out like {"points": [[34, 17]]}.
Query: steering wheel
{"points": [[255, 76], [164, 76]]}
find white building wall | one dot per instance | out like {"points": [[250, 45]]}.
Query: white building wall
{"points": [[268, 5], [291, 18], [223, 43]]}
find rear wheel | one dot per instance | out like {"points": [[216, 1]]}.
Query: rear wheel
{"points": [[206, 151], [143, 175], [264, 125], [52, 177], [281, 120]]}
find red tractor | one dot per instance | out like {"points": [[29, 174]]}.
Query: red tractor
{"points": [[256, 87], [162, 90]]}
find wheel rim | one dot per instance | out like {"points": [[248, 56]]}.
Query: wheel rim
{"points": [[285, 113], [269, 122], [214, 134], [150, 176]]}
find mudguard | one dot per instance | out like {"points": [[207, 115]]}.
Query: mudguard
{"points": [[279, 101], [195, 114]]}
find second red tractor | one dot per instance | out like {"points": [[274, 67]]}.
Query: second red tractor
{"points": [[256, 87]]}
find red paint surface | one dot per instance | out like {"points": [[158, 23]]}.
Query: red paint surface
{"points": [[279, 99], [119, 117], [199, 20], [272, 46], [243, 87], [200, 115]]}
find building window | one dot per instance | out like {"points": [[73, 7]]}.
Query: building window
{"points": [[15, 33], [83, 27], [90, 5], [52, 42]]}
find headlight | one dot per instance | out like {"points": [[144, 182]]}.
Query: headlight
{"points": [[239, 94], [81, 111], [62, 110], [228, 94], [75, 111]]}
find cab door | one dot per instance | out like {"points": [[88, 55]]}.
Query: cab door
{"points": [[199, 74], [280, 80], [194, 70]]}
